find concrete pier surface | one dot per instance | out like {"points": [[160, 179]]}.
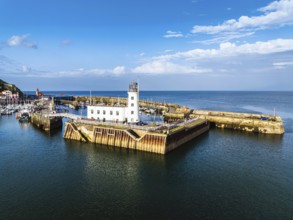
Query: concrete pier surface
{"points": [[161, 140]]}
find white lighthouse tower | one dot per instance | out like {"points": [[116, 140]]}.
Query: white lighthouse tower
{"points": [[118, 113], [133, 105]]}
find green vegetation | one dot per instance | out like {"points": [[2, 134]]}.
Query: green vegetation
{"points": [[7, 86]]}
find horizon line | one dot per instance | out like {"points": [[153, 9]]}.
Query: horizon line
{"points": [[162, 90]]}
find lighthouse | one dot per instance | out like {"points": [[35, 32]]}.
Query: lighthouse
{"points": [[118, 113], [133, 103]]}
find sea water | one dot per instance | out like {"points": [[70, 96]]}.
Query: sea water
{"points": [[223, 174]]}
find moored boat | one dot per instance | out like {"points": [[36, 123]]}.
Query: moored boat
{"points": [[25, 117]]}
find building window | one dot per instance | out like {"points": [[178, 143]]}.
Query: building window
{"points": [[117, 112], [132, 97], [132, 120], [132, 112], [104, 112], [132, 104], [111, 112], [98, 112], [92, 111]]}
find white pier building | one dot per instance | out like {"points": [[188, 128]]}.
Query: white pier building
{"points": [[116, 113]]}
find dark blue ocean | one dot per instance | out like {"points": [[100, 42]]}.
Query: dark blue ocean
{"points": [[223, 174]]}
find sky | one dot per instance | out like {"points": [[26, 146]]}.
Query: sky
{"points": [[165, 45]]}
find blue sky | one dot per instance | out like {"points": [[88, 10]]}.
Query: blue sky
{"points": [[167, 45]]}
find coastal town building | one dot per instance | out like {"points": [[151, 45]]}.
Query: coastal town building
{"points": [[118, 113], [7, 97], [2, 97], [10, 95]]}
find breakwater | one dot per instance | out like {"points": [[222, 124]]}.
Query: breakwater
{"points": [[157, 140], [106, 100], [259, 123], [46, 123]]}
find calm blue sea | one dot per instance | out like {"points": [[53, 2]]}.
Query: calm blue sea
{"points": [[224, 174]]}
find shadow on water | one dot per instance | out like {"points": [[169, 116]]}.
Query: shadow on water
{"points": [[52, 133], [273, 142], [192, 145], [112, 152]]}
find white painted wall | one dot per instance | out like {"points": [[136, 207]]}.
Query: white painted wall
{"points": [[104, 112], [132, 112], [129, 113]]}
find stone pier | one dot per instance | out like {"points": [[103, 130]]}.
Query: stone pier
{"points": [[46, 123], [259, 123], [160, 141]]}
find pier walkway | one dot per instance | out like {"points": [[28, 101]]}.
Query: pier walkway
{"points": [[85, 120], [158, 128], [63, 115]]}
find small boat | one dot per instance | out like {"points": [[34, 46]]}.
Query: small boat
{"points": [[6, 112], [24, 118]]}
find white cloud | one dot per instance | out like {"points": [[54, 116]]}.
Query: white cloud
{"points": [[119, 70], [173, 34], [14, 68], [276, 14], [21, 40], [225, 38], [25, 69], [168, 51], [282, 65], [15, 40], [81, 72], [230, 49], [162, 67]]}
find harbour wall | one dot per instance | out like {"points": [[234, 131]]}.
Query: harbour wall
{"points": [[155, 142], [46, 123], [185, 134], [259, 123], [123, 101]]}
